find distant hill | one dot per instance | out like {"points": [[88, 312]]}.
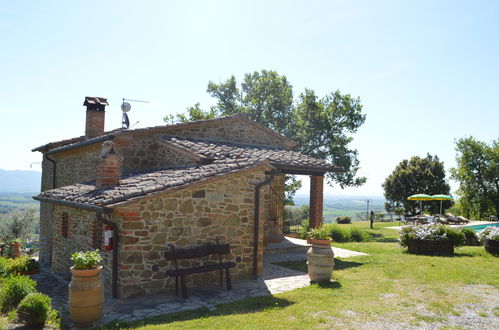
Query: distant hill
{"points": [[20, 181], [344, 205]]}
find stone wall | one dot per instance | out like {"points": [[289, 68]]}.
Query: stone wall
{"points": [[222, 209], [230, 130], [46, 210], [148, 153], [81, 226], [138, 154]]}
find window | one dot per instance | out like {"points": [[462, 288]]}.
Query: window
{"points": [[96, 229], [64, 224]]}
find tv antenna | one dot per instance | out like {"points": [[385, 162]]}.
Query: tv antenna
{"points": [[126, 107]]}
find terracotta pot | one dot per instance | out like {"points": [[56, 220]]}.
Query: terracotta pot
{"points": [[432, 247], [320, 260], [86, 296], [492, 247], [319, 241], [15, 250]]}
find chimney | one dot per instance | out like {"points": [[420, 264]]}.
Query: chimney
{"points": [[95, 116], [109, 167]]}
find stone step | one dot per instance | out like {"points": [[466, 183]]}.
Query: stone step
{"points": [[288, 245]]}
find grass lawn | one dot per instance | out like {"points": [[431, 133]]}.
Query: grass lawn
{"points": [[388, 285]]}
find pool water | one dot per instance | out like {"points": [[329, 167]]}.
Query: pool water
{"points": [[477, 228]]}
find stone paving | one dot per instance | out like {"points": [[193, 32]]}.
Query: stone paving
{"points": [[275, 279]]}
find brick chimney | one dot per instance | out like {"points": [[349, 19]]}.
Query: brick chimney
{"points": [[109, 167], [95, 116]]}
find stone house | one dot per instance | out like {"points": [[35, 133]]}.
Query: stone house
{"points": [[183, 184]]}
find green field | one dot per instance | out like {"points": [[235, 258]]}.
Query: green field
{"points": [[14, 201], [351, 206]]}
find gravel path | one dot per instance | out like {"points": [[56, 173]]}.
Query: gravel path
{"points": [[483, 314]]}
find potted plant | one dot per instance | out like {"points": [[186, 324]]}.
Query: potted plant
{"points": [[319, 236], [86, 292], [430, 239], [490, 239], [320, 256], [15, 248]]}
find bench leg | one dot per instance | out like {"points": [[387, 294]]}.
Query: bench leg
{"points": [[184, 288], [221, 277], [227, 278]]}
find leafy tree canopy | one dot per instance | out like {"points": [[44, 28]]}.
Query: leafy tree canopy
{"points": [[478, 173], [322, 127], [416, 176]]}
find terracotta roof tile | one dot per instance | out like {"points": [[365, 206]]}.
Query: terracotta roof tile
{"points": [[237, 151], [142, 183]]}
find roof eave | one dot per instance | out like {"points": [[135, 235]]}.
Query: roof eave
{"points": [[90, 207], [307, 170], [264, 165]]}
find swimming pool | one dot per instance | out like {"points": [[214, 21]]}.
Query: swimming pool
{"points": [[477, 228]]}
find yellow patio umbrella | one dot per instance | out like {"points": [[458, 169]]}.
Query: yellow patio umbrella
{"points": [[420, 198], [441, 198]]}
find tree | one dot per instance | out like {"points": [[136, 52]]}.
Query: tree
{"points": [[20, 224], [322, 127], [478, 174], [416, 176]]}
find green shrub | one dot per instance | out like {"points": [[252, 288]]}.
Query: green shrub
{"points": [[304, 229], [339, 234], [431, 232], [343, 220], [357, 235], [22, 264], [3, 266], [470, 237], [34, 309], [13, 290], [86, 260]]}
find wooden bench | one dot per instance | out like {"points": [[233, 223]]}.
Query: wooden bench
{"points": [[199, 252]]}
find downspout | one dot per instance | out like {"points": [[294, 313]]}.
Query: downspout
{"points": [[114, 226], [54, 168], [54, 171], [257, 220]]}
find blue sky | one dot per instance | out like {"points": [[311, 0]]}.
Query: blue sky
{"points": [[427, 72]]}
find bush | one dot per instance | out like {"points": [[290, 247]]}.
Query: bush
{"points": [[304, 229], [358, 235], [13, 290], [491, 233], [470, 237], [431, 232], [21, 265], [343, 220], [34, 309], [3, 266], [339, 234]]}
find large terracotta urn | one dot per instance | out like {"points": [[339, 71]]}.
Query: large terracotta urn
{"points": [[86, 296], [320, 260], [15, 250]]}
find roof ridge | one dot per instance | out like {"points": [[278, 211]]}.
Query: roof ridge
{"points": [[222, 142], [74, 140]]}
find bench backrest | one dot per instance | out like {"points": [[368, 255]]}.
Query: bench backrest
{"points": [[196, 252]]}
